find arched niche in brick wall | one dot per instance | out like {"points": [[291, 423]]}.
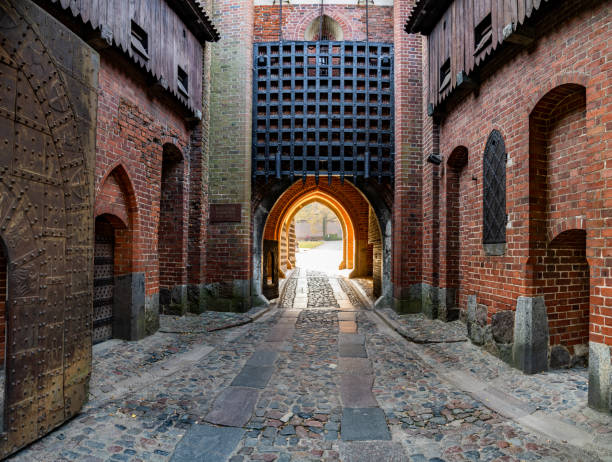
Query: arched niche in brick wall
{"points": [[172, 231], [455, 215], [324, 28], [564, 230], [557, 157], [118, 278], [566, 292]]}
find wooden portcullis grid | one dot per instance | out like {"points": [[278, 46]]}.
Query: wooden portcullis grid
{"points": [[323, 109]]}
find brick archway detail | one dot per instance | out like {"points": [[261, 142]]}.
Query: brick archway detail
{"points": [[566, 224], [348, 228], [116, 199], [343, 198], [307, 19], [549, 85], [122, 203]]}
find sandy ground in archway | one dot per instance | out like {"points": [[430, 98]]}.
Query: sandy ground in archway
{"points": [[325, 258]]}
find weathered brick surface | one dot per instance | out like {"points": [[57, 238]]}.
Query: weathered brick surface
{"points": [[228, 253], [133, 127], [297, 18], [552, 105], [407, 207], [172, 234]]}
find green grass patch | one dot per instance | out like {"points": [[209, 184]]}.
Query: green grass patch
{"points": [[310, 244]]}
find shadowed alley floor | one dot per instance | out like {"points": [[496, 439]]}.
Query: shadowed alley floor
{"points": [[318, 377]]}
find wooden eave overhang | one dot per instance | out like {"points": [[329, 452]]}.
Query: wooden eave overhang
{"points": [[425, 15], [196, 19]]}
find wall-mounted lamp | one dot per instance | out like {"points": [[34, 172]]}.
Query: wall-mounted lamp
{"points": [[435, 159]]}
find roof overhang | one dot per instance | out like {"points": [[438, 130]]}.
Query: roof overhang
{"points": [[196, 19], [425, 15]]}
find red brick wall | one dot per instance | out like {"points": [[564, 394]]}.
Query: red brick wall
{"points": [[557, 176], [565, 287], [229, 244], [3, 298], [407, 207], [450, 223], [133, 126], [113, 200], [297, 18], [171, 244], [118, 205]]}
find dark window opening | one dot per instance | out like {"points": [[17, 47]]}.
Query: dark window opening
{"points": [[494, 190], [483, 34], [140, 41], [445, 75], [183, 81]]}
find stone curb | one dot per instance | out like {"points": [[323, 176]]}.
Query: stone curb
{"points": [[404, 333], [173, 365], [546, 424], [365, 300]]}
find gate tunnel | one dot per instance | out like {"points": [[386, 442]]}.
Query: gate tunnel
{"points": [[366, 229]]}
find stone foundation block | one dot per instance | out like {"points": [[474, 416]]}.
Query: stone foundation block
{"points": [[559, 357], [530, 350], [502, 327], [129, 321], [600, 380]]}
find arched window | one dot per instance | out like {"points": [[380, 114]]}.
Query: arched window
{"points": [[324, 28], [494, 190]]}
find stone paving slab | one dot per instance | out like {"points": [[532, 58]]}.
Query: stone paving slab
{"points": [[356, 391], [367, 424], [347, 316], [350, 309], [233, 407], [292, 314], [253, 377], [344, 339], [355, 366], [280, 334], [262, 358], [274, 346], [379, 451], [352, 350], [205, 443], [347, 327], [419, 329], [206, 322]]}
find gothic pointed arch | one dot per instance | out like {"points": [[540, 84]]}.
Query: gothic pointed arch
{"points": [[324, 28]]}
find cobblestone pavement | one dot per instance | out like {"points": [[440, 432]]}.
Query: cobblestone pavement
{"points": [[317, 379]]}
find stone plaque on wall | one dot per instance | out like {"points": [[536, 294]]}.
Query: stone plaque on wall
{"points": [[225, 213]]}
